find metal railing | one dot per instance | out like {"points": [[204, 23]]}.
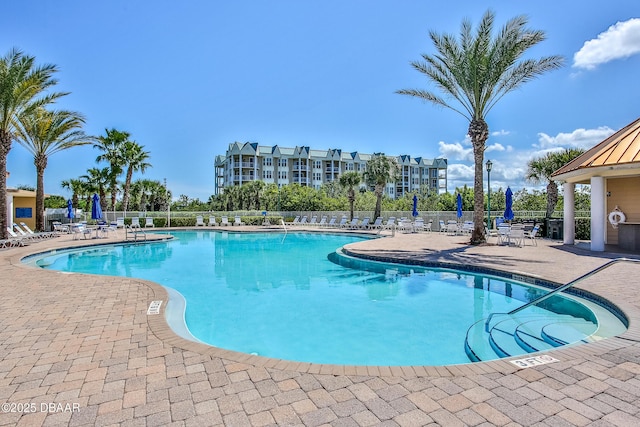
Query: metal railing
{"points": [[560, 289]]}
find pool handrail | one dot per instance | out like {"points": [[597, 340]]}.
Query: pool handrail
{"points": [[560, 289]]}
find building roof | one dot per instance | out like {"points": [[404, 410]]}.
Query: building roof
{"points": [[614, 156]]}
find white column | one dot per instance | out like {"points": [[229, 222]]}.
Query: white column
{"points": [[597, 214], [569, 225], [240, 183]]}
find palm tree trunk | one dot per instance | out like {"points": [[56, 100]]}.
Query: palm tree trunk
{"points": [[379, 189], [41, 165], [479, 133], [127, 185], [5, 147], [552, 198], [352, 199]]}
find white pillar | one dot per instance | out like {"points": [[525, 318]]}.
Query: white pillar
{"points": [[597, 214], [569, 225]]}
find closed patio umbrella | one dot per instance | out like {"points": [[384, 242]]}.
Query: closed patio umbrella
{"points": [[70, 213], [508, 212], [96, 209], [415, 206], [459, 205]]}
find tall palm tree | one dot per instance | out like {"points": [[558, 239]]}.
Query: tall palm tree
{"points": [[380, 171], [22, 90], [43, 133], [476, 71], [540, 170], [349, 180], [134, 158], [112, 146]]}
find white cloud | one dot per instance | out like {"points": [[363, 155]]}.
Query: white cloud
{"points": [[496, 147], [500, 132], [619, 41], [456, 151], [579, 138]]}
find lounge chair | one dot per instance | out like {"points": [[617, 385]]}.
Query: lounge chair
{"points": [[351, 224], [237, 220], [443, 227], [224, 221], [427, 226], [365, 223], [418, 225], [303, 221], [60, 228], [148, 222], [323, 221], [376, 224], [80, 231], [295, 221], [39, 235], [391, 223], [199, 221], [532, 235], [120, 222], [314, 220], [332, 222], [405, 225], [135, 221], [212, 221], [343, 222], [17, 240]]}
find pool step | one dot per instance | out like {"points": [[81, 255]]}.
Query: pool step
{"points": [[523, 334]]}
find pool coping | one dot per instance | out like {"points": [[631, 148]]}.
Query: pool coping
{"points": [[162, 330]]}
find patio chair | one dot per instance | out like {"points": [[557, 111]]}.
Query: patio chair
{"points": [[343, 222], [364, 223], [148, 222], [352, 224], [418, 225], [303, 221], [391, 223], [532, 235], [503, 233], [405, 225], [224, 221], [135, 221], [427, 226], [323, 221], [516, 235], [314, 220], [199, 221], [120, 222], [443, 226], [37, 235], [212, 221], [332, 221], [17, 240], [376, 224], [81, 231], [295, 221], [237, 220]]}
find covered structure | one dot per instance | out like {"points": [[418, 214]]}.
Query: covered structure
{"points": [[612, 168]]}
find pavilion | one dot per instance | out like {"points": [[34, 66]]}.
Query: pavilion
{"points": [[612, 168]]}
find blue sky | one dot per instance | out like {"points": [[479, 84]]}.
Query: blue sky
{"points": [[186, 79]]}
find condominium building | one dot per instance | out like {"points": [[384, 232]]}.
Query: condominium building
{"points": [[248, 161]]}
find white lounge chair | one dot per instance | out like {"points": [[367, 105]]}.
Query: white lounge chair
{"points": [[199, 221], [376, 224], [148, 222], [352, 224], [303, 221], [39, 235], [120, 222], [224, 221], [212, 221], [332, 222], [391, 223], [314, 220], [342, 223], [237, 220], [323, 221], [17, 240], [135, 221], [365, 223], [295, 221]]}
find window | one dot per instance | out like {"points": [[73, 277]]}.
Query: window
{"points": [[282, 163], [317, 164], [349, 166], [282, 174], [267, 161], [317, 176], [267, 174]]}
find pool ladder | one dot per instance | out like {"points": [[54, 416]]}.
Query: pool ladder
{"points": [[487, 323], [560, 289]]}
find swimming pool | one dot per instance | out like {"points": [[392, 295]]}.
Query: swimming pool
{"points": [[294, 297]]}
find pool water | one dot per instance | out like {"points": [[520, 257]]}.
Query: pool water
{"points": [[287, 296]]}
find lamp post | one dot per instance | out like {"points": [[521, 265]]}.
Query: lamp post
{"points": [[168, 201], [489, 165]]}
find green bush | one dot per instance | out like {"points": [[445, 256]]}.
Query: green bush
{"points": [[583, 228]]}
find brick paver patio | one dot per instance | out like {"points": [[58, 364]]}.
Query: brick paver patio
{"points": [[81, 350]]}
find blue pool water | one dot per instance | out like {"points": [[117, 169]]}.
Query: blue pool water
{"points": [[282, 296]]}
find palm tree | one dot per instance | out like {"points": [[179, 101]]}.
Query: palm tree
{"points": [[134, 158], [476, 71], [98, 180], [112, 146], [539, 170], [22, 87], [78, 188], [44, 133], [349, 180], [380, 171]]}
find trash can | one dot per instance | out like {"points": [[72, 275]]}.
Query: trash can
{"points": [[555, 229]]}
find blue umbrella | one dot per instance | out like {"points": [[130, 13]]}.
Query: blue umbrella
{"points": [[96, 209], [70, 214], [415, 205], [459, 203], [508, 212]]}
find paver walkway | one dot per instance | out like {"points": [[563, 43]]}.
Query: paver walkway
{"points": [[81, 350]]}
